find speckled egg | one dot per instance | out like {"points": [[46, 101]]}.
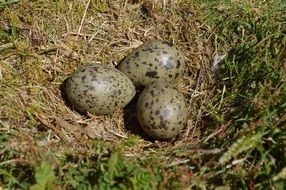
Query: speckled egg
{"points": [[99, 89], [162, 111], [154, 61]]}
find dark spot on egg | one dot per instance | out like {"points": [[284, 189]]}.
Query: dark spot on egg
{"points": [[152, 74], [178, 64], [146, 105], [157, 112], [176, 75], [152, 93], [94, 69], [136, 54]]}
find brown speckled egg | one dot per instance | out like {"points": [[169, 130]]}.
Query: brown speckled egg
{"points": [[155, 61], [99, 89], [162, 111]]}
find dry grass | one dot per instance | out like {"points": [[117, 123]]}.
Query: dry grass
{"points": [[54, 38], [236, 130]]}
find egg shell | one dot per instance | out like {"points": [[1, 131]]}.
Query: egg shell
{"points": [[155, 61], [162, 110], [99, 89]]}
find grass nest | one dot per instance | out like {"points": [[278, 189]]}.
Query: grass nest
{"points": [[54, 39]]}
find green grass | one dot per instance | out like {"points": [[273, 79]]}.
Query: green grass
{"points": [[236, 136]]}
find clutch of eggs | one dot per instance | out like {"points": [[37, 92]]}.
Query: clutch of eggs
{"points": [[161, 108]]}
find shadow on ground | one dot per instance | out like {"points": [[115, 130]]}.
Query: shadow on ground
{"points": [[131, 121], [64, 94], [65, 98]]}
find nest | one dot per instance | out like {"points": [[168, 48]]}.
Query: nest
{"points": [[105, 32]]}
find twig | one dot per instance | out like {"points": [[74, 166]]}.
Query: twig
{"points": [[1, 76], [12, 161], [6, 126], [117, 134], [83, 17], [96, 32], [210, 151], [6, 46], [51, 126], [213, 135], [179, 162], [197, 85], [2, 151], [67, 126], [235, 162], [47, 50]]}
